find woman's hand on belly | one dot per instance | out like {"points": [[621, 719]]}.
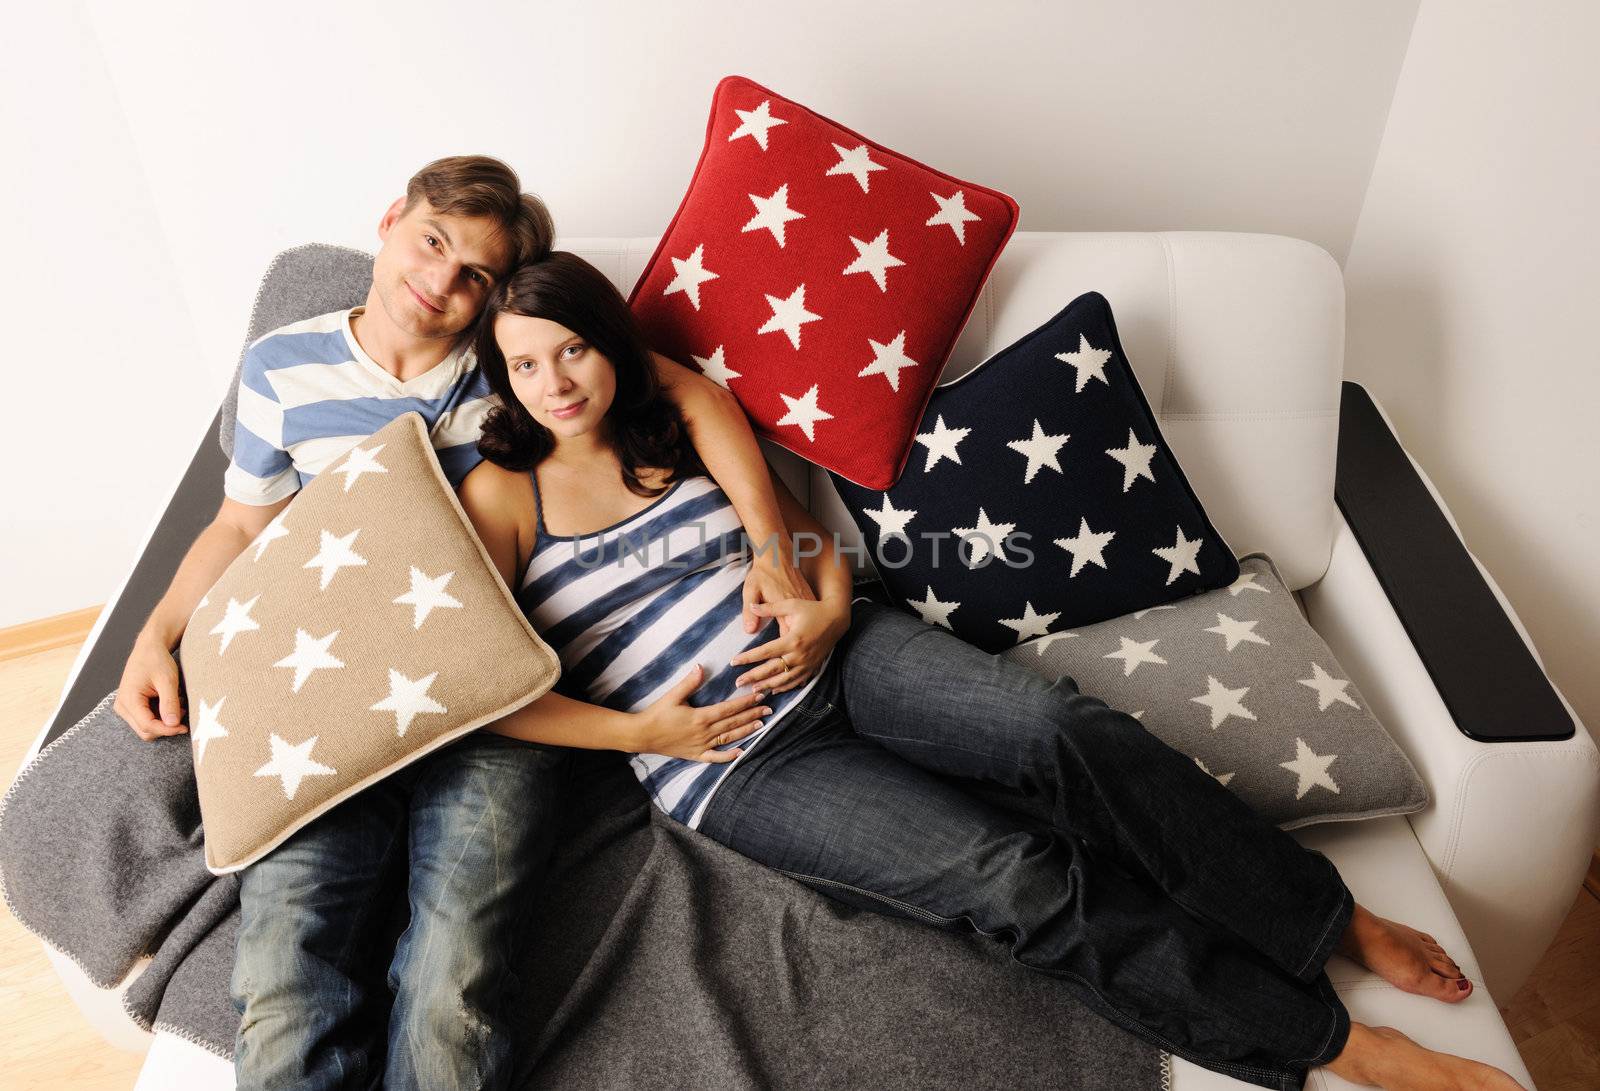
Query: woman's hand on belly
{"points": [[807, 631], [673, 727]]}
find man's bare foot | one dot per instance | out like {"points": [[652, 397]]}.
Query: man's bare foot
{"points": [[1383, 1057], [1404, 957]]}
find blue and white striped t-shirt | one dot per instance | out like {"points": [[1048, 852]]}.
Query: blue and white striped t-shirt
{"points": [[629, 609], [308, 393]]}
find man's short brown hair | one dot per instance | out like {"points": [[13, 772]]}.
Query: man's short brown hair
{"points": [[478, 185]]}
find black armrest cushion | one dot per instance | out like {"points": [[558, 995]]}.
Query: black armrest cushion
{"points": [[1490, 682]]}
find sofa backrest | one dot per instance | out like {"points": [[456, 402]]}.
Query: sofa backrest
{"points": [[1237, 340]]}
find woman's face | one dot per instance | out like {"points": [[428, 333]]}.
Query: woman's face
{"points": [[558, 376]]}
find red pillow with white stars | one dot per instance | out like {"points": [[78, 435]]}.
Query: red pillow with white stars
{"points": [[821, 278]]}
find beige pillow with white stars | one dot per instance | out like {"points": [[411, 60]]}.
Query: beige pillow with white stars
{"points": [[363, 628], [1237, 679]]}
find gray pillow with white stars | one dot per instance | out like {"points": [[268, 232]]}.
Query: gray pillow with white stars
{"points": [[1237, 679]]}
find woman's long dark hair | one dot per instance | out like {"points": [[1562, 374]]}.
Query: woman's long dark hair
{"points": [[645, 428]]}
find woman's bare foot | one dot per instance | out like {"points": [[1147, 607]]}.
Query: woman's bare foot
{"points": [[1404, 957], [1383, 1057]]}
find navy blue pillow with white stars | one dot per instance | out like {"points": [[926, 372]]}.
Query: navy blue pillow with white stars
{"points": [[1041, 495]]}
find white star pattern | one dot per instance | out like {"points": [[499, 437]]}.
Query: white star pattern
{"points": [[1088, 361], [804, 412], [888, 360], [1045, 641], [1246, 582], [856, 163], [271, 533], [954, 214], [890, 519], [789, 315], [1133, 654], [1329, 689], [207, 727], [408, 698], [1030, 624], [360, 461], [1310, 769], [427, 594], [1236, 632], [941, 443], [986, 538], [310, 654], [234, 621], [292, 764], [756, 123], [1220, 778], [1135, 459], [715, 368], [1180, 555], [691, 274], [1086, 546], [933, 611], [772, 213], [874, 258], [1040, 451], [334, 555], [1223, 702]]}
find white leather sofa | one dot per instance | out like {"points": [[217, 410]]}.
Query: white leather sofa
{"points": [[1238, 341]]}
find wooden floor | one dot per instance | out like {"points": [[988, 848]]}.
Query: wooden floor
{"points": [[46, 1043], [1555, 1019]]}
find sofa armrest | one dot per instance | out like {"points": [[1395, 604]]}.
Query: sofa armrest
{"points": [[1512, 825], [1484, 669]]}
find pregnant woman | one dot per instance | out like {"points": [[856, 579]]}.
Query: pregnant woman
{"points": [[831, 748]]}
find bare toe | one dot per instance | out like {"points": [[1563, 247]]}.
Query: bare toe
{"points": [[1437, 985], [1407, 958]]}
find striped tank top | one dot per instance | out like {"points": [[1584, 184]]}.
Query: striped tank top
{"points": [[629, 609]]}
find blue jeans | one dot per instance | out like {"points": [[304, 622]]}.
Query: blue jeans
{"points": [[475, 821], [926, 778]]}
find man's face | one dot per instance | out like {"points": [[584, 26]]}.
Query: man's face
{"points": [[435, 270]]}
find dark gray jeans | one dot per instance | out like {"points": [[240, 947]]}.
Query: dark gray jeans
{"points": [[926, 778]]}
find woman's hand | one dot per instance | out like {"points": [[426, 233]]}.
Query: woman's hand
{"points": [[807, 631], [672, 726], [773, 577]]}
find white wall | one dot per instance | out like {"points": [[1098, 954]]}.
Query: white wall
{"points": [[104, 381], [1473, 279], [226, 132]]}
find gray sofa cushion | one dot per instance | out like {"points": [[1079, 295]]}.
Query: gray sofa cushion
{"points": [[299, 284], [1237, 679]]}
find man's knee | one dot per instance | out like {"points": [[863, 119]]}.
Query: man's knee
{"points": [[448, 982], [449, 957]]}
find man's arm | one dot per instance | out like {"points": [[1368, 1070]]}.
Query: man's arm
{"points": [[723, 439], [807, 630], [824, 569], [725, 443], [151, 672]]}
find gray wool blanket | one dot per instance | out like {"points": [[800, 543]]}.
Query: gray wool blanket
{"points": [[659, 958]]}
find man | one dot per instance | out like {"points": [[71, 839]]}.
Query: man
{"points": [[471, 821]]}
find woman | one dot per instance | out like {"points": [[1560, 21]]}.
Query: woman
{"points": [[827, 750]]}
